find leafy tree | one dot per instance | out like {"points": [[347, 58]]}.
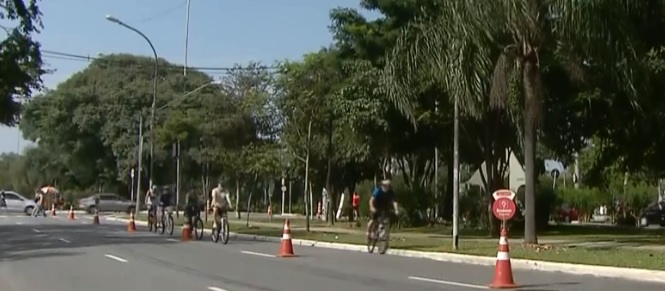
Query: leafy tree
{"points": [[20, 56], [457, 49]]}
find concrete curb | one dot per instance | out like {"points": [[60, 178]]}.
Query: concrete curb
{"points": [[641, 275]]}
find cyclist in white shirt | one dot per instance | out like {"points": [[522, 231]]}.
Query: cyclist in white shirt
{"points": [[221, 202]]}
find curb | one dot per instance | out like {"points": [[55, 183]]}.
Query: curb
{"points": [[642, 275]]}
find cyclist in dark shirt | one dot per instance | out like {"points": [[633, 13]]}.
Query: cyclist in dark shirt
{"points": [[383, 198]]}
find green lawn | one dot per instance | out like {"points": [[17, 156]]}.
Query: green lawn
{"points": [[594, 245]]}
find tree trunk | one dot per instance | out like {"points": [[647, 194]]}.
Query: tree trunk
{"points": [[238, 198], [309, 136], [331, 192], [530, 139]]}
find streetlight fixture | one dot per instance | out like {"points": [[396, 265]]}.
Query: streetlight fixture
{"points": [[154, 97]]}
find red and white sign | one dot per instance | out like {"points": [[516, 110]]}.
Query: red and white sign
{"points": [[503, 193], [504, 208]]}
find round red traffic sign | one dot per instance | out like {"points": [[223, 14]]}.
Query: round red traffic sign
{"points": [[504, 208]]}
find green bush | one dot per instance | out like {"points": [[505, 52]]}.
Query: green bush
{"points": [[585, 200], [638, 196]]}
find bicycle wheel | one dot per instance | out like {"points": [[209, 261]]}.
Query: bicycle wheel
{"points": [[383, 238], [150, 222], [198, 228], [216, 232], [170, 224], [225, 230], [371, 242], [162, 226]]}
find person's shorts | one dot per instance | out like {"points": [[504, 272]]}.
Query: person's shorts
{"points": [[191, 209], [380, 212], [222, 208]]}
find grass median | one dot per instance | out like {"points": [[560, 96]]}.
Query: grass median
{"points": [[592, 245]]}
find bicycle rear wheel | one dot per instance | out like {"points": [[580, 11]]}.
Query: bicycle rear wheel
{"points": [[169, 226], [225, 230], [198, 228], [151, 223], [384, 237], [371, 242], [162, 224], [216, 231]]}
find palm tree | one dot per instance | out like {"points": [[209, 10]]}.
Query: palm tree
{"points": [[455, 48]]}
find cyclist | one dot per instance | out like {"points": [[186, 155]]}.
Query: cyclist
{"points": [[164, 202], [150, 199], [191, 206], [221, 202], [379, 204]]}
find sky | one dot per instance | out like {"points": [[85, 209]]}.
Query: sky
{"points": [[221, 34]]}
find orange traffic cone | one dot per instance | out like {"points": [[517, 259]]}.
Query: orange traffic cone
{"points": [[131, 226], [53, 210], [70, 215], [503, 271], [286, 250], [186, 232], [95, 220]]}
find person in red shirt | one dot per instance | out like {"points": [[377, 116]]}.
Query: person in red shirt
{"points": [[356, 204]]}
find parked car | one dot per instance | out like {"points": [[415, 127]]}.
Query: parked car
{"points": [[107, 202], [654, 214], [17, 202], [568, 214]]}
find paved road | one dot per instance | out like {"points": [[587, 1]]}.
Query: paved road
{"points": [[55, 254]]}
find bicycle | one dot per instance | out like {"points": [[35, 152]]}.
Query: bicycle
{"points": [[152, 221], [167, 222], [221, 228], [380, 234], [198, 226]]}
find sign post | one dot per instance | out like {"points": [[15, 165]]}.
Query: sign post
{"points": [[504, 207]]}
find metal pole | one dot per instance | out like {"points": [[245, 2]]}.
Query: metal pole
{"points": [[131, 175], [154, 91], [283, 193], [290, 196], [184, 71], [456, 175], [177, 178], [138, 174], [436, 172]]}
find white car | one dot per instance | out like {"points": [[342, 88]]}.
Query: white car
{"points": [[17, 203]]}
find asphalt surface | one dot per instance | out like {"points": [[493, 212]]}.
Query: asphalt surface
{"points": [[56, 254]]}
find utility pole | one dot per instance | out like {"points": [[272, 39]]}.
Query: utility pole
{"points": [[456, 175], [139, 168], [436, 170]]}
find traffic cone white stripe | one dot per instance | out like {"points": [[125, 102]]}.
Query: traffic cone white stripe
{"points": [[286, 236], [503, 241], [502, 256]]}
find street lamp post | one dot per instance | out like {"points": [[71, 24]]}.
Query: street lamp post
{"points": [[154, 94]]}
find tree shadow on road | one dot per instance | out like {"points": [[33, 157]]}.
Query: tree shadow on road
{"points": [[19, 256], [28, 241]]}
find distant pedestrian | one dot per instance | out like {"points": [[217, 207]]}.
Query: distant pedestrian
{"points": [[39, 204], [355, 203], [3, 202]]}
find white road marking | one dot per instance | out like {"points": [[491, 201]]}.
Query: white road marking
{"points": [[64, 240], [258, 254], [19, 223], [172, 240], [450, 283], [112, 257], [216, 289], [36, 230]]}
